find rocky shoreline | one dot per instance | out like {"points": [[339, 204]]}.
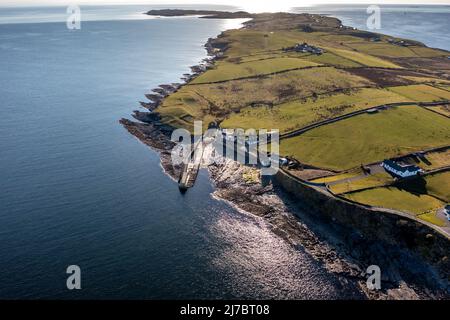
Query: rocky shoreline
{"points": [[149, 129], [344, 255]]}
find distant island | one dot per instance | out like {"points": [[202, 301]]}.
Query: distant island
{"points": [[363, 118], [207, 14]]}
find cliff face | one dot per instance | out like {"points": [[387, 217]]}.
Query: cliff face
{"points": [[372, 225], [331, 233]]}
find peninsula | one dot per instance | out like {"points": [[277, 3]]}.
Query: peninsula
{"points": [[363, 118]]}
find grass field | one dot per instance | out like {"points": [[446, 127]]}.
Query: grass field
{"points": [[178, 107], [246, 42], [293, 115], [428, 52], [369, 138], [383, 49], [256, 57], [427, 80], [336, 39], [375, 180], [393, 198], [362, 58], [431, 160], [216, 101], [421, 203], [438, 185], [422, 93], [443, 87], [228, 71], [275, 89], [346, 175], [438, 159], [444, 109], [432, 218], [332, 59]]}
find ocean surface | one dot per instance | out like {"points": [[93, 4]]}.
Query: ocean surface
{"points": [[77, 189], [428, 24]]}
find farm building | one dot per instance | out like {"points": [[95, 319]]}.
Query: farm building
{"points": [[399, 169], [304, 47]]}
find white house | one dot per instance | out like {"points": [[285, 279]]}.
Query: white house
{"points": [[400, 170]]}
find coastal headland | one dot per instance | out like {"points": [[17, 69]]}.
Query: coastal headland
{"points": [[345, 101]]}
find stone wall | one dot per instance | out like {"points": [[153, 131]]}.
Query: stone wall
{"points": [[372, 224]]}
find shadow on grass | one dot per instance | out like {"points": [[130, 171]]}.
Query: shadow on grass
{"points": [[415, 185]]}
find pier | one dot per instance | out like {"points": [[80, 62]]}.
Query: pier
{"points": [[190, 168]]}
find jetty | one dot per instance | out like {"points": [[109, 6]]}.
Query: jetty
{"points": [[191, 167]]}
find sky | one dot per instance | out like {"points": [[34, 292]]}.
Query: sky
{"points": [[248, 5]]}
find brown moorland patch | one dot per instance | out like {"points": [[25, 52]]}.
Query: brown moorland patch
{"points": [[385, 77]]}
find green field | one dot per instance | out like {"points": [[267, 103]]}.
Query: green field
{"points": [[422, 203], [218, 100], [438, 159], [296, 114], [422, 93], [337, 39], [383, 49], [362, 58], [431, 160], [427, 80], [429, 52], [393, 198], [370, 181], [438, 185], [369, 138], [329, 58], [247, 42], [254, 57], [432, 217], [209, 102], [444, 110], [346, 175], [278, 88], [444, 87], [227, 71]]}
